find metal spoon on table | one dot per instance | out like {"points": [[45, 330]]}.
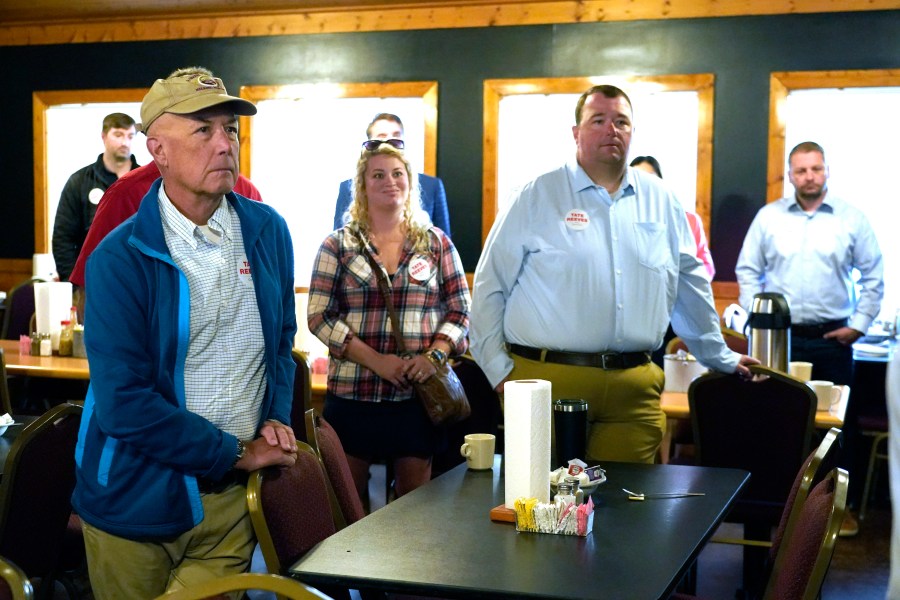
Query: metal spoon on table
{"points": [[640, 497]]}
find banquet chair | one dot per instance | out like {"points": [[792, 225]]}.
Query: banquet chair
{"points": [[14, 585], [285, 587], [681, 439], [291, 511], [822, 460], [763, 426], [875, 427], [19, 309], [302, 393], [805, 555], [346, 503], [37, 528]]}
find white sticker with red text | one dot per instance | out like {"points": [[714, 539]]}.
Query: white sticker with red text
{"points": [[419, 269], [244, 274], [577, 220]]}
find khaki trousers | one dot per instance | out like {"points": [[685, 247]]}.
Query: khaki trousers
{"points": [[222, 544], [625, 422]]}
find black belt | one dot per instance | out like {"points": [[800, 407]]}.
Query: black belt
{"points": [[232, 477], [817, 330], [600, 360]]}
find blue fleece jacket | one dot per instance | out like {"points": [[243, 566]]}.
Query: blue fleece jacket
{"points": [[140, 450]]}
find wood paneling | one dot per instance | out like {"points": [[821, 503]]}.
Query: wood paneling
{"points": [[66, 22], [13, 271]]}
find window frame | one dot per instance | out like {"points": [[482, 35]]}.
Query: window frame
{"points": [[497, 89]]}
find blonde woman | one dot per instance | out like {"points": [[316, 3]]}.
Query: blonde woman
{"points": [[370, 400]]}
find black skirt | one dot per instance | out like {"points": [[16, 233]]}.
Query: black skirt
{"points": [[383, 430]]}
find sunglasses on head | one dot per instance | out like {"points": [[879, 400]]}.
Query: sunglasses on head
{"points": [[372, 145]]}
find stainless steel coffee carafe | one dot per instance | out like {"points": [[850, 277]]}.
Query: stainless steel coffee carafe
{"points": [[770, 330]]}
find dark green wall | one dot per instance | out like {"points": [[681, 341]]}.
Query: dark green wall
{"points": [[741, 52]]}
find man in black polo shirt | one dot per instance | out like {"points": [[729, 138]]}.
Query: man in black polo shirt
{"points": [[82, 192]]}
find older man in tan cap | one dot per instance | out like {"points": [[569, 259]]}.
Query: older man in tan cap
{"points": [[189, 325]]}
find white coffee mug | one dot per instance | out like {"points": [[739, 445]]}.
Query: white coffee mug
{"points": [[479, 450], [827, 394], [800, 370]]}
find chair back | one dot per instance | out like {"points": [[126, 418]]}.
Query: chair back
{"points": [[5, 399], [820, 461], [290, 509], [302, 393], [735, 340], [763, 426], [14, 585], [285, 587], [19, 309], [325, 441], [805, 554], [38, 481]]}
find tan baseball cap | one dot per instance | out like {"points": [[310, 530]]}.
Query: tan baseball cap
{"points": [[186, 94]]}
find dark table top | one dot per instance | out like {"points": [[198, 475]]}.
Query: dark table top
{"points": [[439, 539]]}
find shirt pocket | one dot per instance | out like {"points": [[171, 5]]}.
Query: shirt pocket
{"points": [[359, 272], [651, 245]]}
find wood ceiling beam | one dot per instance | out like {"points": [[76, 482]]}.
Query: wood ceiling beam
{"points": [[221, 23]]}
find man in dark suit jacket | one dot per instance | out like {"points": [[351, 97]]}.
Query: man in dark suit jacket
{"points": [[386, 126]]}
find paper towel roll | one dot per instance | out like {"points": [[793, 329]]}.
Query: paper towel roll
{"points": [[526, 439], [52, 301]]}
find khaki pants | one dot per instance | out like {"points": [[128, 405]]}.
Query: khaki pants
{"points": [[625, 422], [222, 544]]}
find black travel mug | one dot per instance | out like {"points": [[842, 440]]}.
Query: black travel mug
{"points": [[570, 429]]}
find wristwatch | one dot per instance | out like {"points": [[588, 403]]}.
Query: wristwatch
{"points": [[241, 451], [436, 356]]}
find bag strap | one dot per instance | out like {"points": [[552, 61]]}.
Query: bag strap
{"points": [[385, 290]]}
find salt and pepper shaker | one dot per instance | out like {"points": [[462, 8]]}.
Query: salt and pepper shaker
{"points": [[576, 489], [564, 493], [46, 345]]}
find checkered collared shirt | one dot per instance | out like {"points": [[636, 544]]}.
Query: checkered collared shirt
{"points": [[344, 298], [225, 370]]}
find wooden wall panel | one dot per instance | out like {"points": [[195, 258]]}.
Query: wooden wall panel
{"points": [[223, 21]]}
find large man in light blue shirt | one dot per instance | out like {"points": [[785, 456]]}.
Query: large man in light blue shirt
{"points": [[805, 247], [578, 281]]}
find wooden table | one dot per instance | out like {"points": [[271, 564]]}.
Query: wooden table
{"points": [[439, 541], [57, 367], [675, 405]]}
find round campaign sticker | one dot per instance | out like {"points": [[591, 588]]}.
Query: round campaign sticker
{"points": [[577, 220], [94, 195], [419, 269]]}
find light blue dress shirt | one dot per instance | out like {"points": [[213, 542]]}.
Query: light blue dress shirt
{"points": [[809, 258], [567, 267]]}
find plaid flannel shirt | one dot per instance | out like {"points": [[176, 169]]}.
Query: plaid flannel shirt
{"points": [[344, 297]]}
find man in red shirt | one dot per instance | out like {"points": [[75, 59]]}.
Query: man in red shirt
{"points": [[121, 201]]}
